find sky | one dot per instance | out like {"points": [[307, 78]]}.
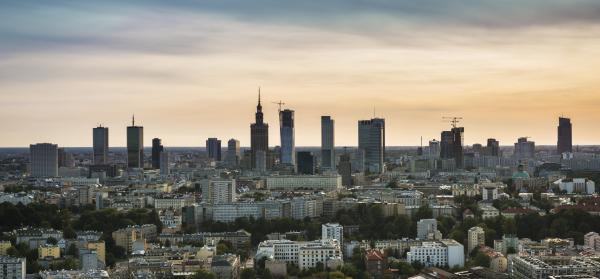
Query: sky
{"points": [[190, 70]]}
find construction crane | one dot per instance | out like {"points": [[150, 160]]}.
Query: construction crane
{"points": [[280, 103], [452, 119]]}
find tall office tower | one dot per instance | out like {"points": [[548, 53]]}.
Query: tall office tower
{"points": [[565, 135], [451, 145], [476, 238], [157, 148], [493, 147], [327, 143], [44, 159], [259, 136], [306, 162], [233, 153], [458, 133], [434, 149], [524, 149], [62, 157], [371, 139], [286, 129], [135, 145], [345, 169], [333, 231], [100, 142], [478, 148], [446, 144], [213, 148], [164, 163]]}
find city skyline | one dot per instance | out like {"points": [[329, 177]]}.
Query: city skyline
{"points": [[509, 70]]}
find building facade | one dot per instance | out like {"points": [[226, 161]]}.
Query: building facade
{"points": [[100, 145], [135, 145], [371, 140], [327, 143], [44, 160]]}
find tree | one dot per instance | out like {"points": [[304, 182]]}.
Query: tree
{"points": [[51, 240], [203, 274], [424, 212], [248, 273]]}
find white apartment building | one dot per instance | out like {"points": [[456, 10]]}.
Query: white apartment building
{"points": [[12, 268], [333, 231], [576, 185], [476, 238], [175, 203], [328, 182], [304, 254], [488, 211], [446, 252], [591, 241]]}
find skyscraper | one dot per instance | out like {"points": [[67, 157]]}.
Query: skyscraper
{"points": [[565, 135], [524, 149], [493, 147], [164, 163], [259, 137], [44, 159], [345, 169], [157, 148], [327, 143], [306, 162], [434, 149], [135, 145], [233, 152], [451, 145], [213, 148], [100, 145], [286, 130], [371, 140]]}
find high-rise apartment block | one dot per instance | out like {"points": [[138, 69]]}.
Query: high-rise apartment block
{"points": [[44, 160]]}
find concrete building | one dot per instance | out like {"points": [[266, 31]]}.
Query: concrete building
{"points": [[100, 145], [451, 146], [565, 135], [345, 169], [591, 241], [438, 253], [375, 263], [524, 149], [213, 149], [135, 145], [125, 238], [157, 149], [544, 267], [493, 147], [219, 191], [259, 139], [287, 136], [100, 249], [226, 266], [371, 140], [48, 252], [305, 163], [88, 260], [475, 238], [576, 185], [12, 268], [426, 228], [434, 149], [304, 254], [328, 182], [333, 231], [165, 169], [233, 153], [327, 143], [44, 160]]}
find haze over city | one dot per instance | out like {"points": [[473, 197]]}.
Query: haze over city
{"points": [[191, 70]]}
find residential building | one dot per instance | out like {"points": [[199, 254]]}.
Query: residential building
{"points": [[303, 254], [219, 191], [48, 251], [12, 268], [493, 147], [44, 160], [524, 149], [345, 169], [4, 246], [576, 185], [475, 238], [426, 228], [543, 267], [375, 263], [333, 231], [438, 253], [226, 266], [327, 182]]}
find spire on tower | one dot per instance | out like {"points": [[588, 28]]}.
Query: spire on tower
{"points": [[133, 120], [259, 95]]}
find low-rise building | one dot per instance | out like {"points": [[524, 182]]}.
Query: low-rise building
{"points": [[226, 266], [446, 252], [12, 268]]}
